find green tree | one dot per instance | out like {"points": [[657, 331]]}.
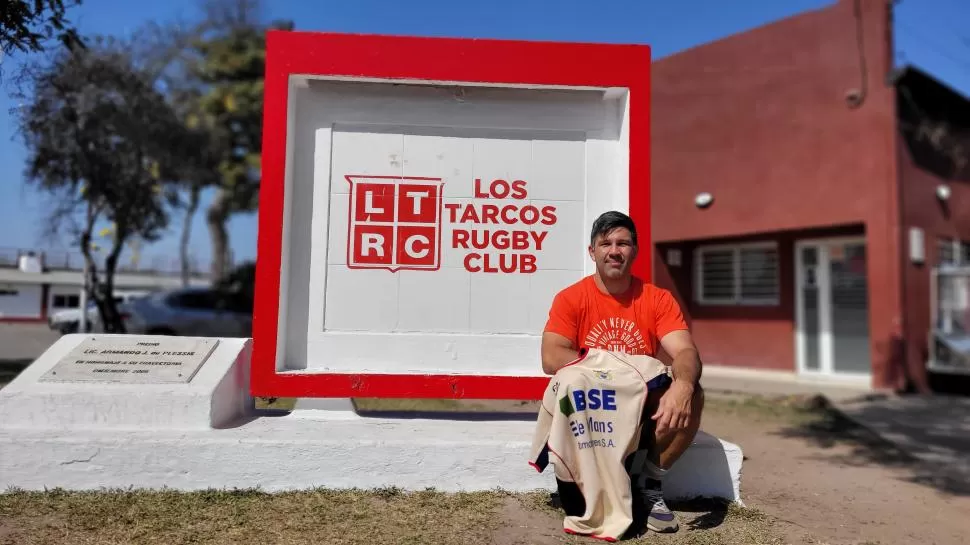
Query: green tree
{"points": [[229, 108], [169, 53], [104, 144], [27, 25]]}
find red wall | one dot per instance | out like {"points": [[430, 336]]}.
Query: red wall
{"points": [[724, 333], [922, 209], [760, 121]]}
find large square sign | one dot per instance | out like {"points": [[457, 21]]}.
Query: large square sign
{"points": [[423, 200]]}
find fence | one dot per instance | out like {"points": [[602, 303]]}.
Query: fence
{"points": [[60, 260], [949, 350]]}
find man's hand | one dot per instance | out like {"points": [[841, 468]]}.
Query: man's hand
{"points": [[674, 409]]}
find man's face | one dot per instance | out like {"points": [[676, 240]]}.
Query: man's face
{"points": [[614, 253]]}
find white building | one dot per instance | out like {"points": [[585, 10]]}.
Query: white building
{"points": [[30, 292]]}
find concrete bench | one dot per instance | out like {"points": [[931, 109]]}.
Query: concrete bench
{"points": [[196, 436]]}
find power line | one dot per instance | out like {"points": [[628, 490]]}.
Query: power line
{"points": [[936, 47]]}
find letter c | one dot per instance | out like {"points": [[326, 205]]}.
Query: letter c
{"points": [[411, 242]]}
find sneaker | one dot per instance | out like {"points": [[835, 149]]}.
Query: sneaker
{"points": [[659, 517]]}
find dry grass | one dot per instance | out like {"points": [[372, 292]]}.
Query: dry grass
{"points": [[792, 410], [317, 516], [332, 517]]}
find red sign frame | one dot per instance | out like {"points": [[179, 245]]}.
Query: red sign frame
{"points": [[501, 62]]}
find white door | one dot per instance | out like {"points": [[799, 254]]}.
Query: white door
{"points": [[832, 308]]}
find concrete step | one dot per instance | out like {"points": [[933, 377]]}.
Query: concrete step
{"points": [[296, 452], [200, 435]]}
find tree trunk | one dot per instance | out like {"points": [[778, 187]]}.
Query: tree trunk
{"points": [[216, 217], [91, 282], [113, 323], [187, 233]]}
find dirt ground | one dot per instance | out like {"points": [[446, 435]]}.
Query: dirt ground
{"points": [[816, 478], [825, 481], [809, 478]]}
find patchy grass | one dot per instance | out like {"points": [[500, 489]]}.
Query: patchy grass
{"points": [[212, 517], [794, 410], [379, 516]]}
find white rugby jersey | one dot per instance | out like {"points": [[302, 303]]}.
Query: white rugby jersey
{"points": [[589, 422]]}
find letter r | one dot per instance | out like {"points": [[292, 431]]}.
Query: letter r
{"points": [[372, 241]]}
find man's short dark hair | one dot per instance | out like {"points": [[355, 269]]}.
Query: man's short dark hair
{"points": [[608, 221]]}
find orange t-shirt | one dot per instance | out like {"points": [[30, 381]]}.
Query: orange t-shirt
{"points": [[632, 323]]}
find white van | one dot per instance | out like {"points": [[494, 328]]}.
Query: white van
{"points": [[67, 320]]}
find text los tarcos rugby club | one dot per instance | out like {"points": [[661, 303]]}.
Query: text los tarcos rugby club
{"points": [[396, 224]]}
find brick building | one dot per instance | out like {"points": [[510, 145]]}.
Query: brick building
{"points": [[797, 177]]}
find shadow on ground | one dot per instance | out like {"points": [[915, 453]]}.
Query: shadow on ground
{"points": [[928, 437], [696, 514], [950, 384], [706, 513], [9, 369]]}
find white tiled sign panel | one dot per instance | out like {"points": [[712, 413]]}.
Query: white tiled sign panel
{"points": [[457, 244], [439, 231]]}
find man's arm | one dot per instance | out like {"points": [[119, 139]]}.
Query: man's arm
{"points": [[675, 407], [686, 364], [557, 351]]}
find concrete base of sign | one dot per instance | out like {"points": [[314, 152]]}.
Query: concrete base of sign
{"points": [[216, 396], [292, 453], [155, 436]]}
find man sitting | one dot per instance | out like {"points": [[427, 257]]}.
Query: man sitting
{"points": [[614, 310]]}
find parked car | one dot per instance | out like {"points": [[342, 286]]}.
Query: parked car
{"points": [[68, 320], [198, 312]]}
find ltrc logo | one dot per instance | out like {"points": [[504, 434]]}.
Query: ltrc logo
{"points": [[395, 223]]}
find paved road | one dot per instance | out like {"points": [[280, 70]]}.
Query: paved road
{"points": [[20, 342], [934, 429]]}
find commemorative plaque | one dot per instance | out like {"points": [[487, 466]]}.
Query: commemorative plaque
{"points": [[155, 360]]}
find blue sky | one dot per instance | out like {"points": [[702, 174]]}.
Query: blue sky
{"points": [[927, 35]]}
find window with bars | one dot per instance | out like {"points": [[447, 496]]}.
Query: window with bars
{"points": [[744, 274]]}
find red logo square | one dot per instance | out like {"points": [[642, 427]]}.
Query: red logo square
{"points": [[417, 203], [416, 246], [373, 245], [374, 202], [395, 223]]}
